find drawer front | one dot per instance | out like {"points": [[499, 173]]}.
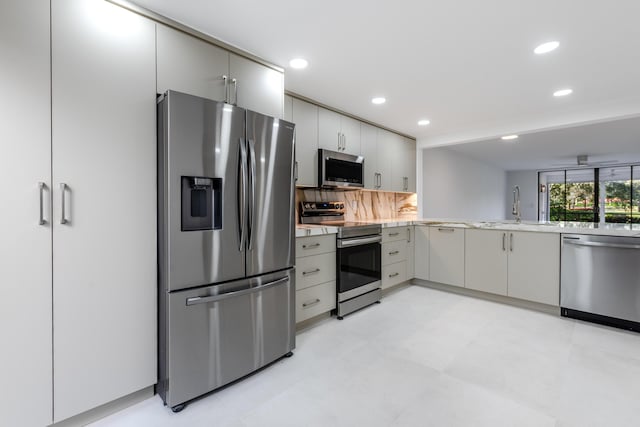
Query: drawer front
{"points": [[393, 274], [312, 270], [395, 233], [315, 300], [307, 246], [394, 252]]}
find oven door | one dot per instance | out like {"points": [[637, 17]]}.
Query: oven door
{"points": [[358, 265]]}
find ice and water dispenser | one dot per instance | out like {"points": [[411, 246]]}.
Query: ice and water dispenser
{"points": [[201, 203]]}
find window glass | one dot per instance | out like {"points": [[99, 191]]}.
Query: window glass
{"points": [[635, 193], [615, 194], [580, 200]]}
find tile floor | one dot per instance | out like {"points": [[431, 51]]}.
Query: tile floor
{"points": [[430, 358]]}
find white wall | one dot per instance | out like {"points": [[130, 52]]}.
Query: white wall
{"points": [[460, 187], [528, 183]]}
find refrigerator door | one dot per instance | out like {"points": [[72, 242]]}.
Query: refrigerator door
{"points": [[271, 239], [221, 333], [201, 192]]}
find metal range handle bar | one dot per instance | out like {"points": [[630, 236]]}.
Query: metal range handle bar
{"points": [[394, 274], [394, 252], [215, 298], [310, 246], [448, 230], [601, 245], [346, 243], [305, 273], [309, 304], [63, 215], [41, 187]]}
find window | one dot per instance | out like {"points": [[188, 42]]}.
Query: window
{"points": [[610, 194]]}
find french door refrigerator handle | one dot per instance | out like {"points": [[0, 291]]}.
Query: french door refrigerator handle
{"points": [[242, 192], [41, 188], [63, 216], [214, 298], [252, 191]]}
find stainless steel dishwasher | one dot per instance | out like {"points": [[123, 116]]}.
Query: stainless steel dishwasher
{"points": [[600, 279]]}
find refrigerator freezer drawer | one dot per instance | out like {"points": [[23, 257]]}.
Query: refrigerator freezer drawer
{"points": [[216, 339]]}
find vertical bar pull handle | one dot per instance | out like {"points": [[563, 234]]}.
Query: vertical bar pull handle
{"points": [[226, 89], [295, 175], [63, 215], [242, 193], [504, 244], [41, 188], [511, 242], [252, 191], [235, 91], [339, 142]]}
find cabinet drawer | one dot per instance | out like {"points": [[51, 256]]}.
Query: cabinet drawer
{"points": [[312, 270], [394, 252], [306, 246], [395, 233], [393, 274], [315, 300]]}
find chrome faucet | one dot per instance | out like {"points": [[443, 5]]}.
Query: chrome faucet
{"points": [[516, 203]]}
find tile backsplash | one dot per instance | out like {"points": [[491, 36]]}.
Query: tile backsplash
{"points": [[362, 204]]}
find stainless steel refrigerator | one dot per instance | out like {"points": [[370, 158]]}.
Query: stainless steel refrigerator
{"points": [[226, 244]]}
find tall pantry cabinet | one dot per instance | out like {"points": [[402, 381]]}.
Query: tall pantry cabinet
{"points": [[77, 174], [25, 243]]}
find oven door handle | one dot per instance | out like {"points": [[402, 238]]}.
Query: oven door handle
{"points": [[346, 243]]}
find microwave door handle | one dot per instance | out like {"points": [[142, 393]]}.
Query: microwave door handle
{"points": [[242, 192], [252, 191]]}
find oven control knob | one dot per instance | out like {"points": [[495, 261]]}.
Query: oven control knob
{"points": [[313, 205], [341, 206], [306, 205]]}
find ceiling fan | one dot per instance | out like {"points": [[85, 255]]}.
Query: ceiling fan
{"points": [[583, 160]]}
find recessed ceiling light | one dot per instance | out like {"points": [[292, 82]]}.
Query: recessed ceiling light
{"points": [[509, 137], [563, 92], [546, 47], [378, 100], [298, 63], [423, 122]]}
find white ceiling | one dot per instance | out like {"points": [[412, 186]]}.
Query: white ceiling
{"points": [[617, 140], [468, 66]]}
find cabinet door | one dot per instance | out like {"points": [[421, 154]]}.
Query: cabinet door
{"points": [[259, 88], [305, 116], [288, 108], [409, 164], [104, 150], [446, 255], [329, 132], [387, 155], [485, 264], [190, 65], [534, 267], [421, 254], [369, 150], [410, 252], [350, 129], [25, 245]]}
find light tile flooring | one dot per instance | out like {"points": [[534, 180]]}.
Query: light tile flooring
{"points": [[430, 358]]}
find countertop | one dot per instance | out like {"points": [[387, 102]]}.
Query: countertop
{"points": [[627, 230]]}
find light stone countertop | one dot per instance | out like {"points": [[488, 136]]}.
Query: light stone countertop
{"points": [[626, 230]]}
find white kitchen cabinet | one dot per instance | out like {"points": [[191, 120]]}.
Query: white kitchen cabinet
{"points": [[421, 252], [305, 117], [288, 108], [315, 300], [388, 145], [369, 150], [411, 272], [315, 276], [534, 267], [446, 255], [397, 255], [313, 270], [104, 234], [25, 244], [408, 165], [194, 66], [337, 132], [486, 259], [394, 274]]}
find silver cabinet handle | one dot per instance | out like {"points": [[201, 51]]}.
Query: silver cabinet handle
{"points": [[305, 273], [408, 235], [379, 180], [394, 274], [63, 216], [252, 191], [511, 242], [394, 234], [242, 193], [447, 229], [339, 141], [226, 89], [394, 252], [41, 188], [310, 246], [219, 297], [504, 239], [309, 304], [295, 172], [235, 91], [344, 142]]}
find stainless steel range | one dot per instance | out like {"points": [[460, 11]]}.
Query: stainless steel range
{"points": [[358, 255]]}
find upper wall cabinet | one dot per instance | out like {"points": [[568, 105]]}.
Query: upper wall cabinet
{"points": [[188, 64], [305, 116], [369, 150], [288, 108], [337, 132]]}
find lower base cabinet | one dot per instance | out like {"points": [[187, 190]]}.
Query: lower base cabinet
{"points": [[315, 300], [315, 276], [394, 274]]}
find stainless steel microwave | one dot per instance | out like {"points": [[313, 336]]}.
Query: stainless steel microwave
{"points": [[340, 169]]}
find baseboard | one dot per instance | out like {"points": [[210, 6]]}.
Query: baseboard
{"points": [[530, 305], [312, 322], [107, 409], [395, 288]]}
